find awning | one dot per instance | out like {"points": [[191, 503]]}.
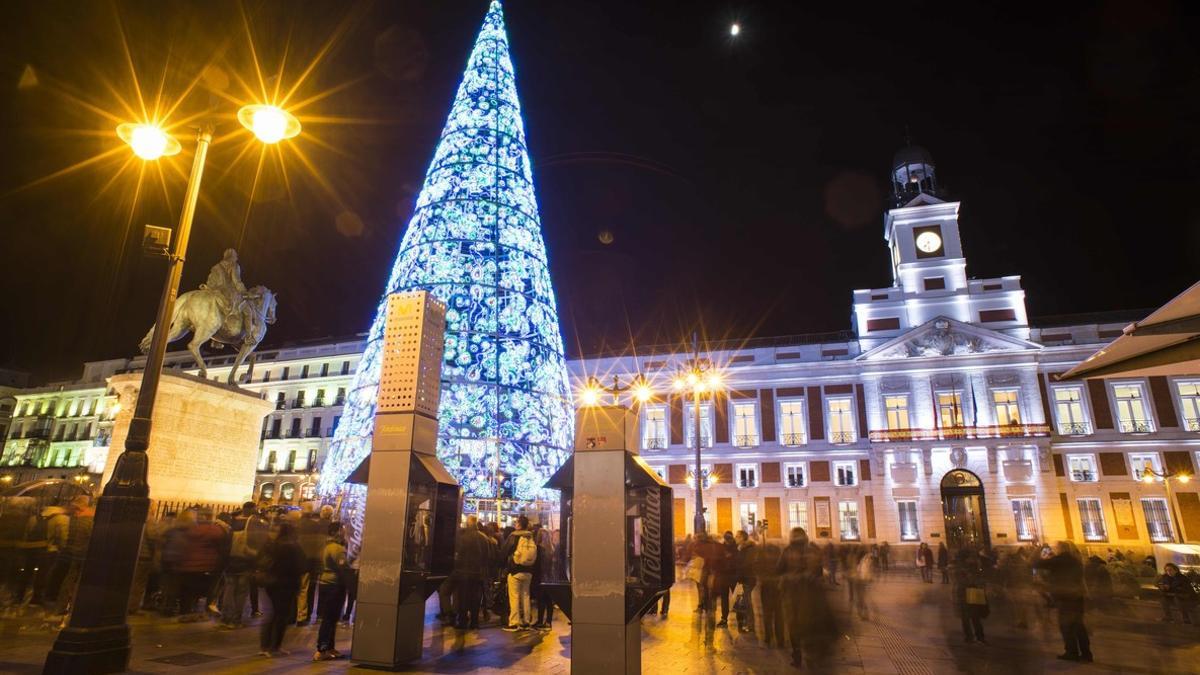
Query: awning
{"points": [[1165, 343]]}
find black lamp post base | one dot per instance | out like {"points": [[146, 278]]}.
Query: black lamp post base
{"points": [[89, 651]]}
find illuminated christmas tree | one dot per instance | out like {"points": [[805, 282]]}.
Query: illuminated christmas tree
{"points": [[475, 242]]}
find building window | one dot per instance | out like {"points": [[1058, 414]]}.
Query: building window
{"points": [[314, 431], [798, 515], [284, 376], [745, 425], [299, 399], [1158, 519], [304, 371], [950, 413], [287, 491], [1131, 409], [336, 419], [1026, 521], [654, 428], [841, 420], [345, 367], [308, 491], [291, 461], [1068, 406], [1145, 464], [845, 473], [794, 475], [266, 376], [747, 475], [312, 460], [1189, 404], [272, 461], [1091, 519], [319, 401], [791, 422], [267, 492], [705, 426], [909, 531], [340, 399], [1082, 468], [295, 430], [848, 519], [324, 369], [1008, 412], [897, 411], [749, 514]]}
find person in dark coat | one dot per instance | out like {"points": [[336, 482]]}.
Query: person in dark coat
{"points": [[969, 594], [1177, 592], [744, 575], [811, 625], [765, 562], [280, 565], [943, 561], [331, 592], [472, 551], [1067, 590], [1099, 582]]}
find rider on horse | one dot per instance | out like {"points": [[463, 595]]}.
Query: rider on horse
{"points": [[225, 280]]}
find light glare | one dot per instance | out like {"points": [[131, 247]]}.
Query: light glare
{"points": [[735, 30], [268, 123], [148, 141]]}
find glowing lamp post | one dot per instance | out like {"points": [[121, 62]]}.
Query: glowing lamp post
{"points": [[97, 638], [1149, 475], [699, 380]]}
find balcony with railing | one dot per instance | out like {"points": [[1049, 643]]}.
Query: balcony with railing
{"points": [[1083, 475], [1135, 426], [747, 483], [271, 434], [280, 405], [705, 441], [297, 403], [841, 437], [745, 440], [318, 403], [1073, 429], [340, 400], [294, 433], [959, 433], [791, 440], [654, 443], [312, 433]]}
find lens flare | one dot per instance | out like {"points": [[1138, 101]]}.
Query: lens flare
{"points": [[148, 141]]}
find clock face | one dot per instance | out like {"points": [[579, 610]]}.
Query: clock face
{"points": [[928, 242]]}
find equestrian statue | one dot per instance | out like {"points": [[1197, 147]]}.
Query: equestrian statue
{"points": [[224, 311]]}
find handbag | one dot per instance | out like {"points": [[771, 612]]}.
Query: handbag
{"points": [[976, 596]]}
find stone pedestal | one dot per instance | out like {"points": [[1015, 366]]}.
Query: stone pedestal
{"points": [[204, 438]]}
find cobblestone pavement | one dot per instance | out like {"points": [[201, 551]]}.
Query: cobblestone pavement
{"points": [[912, 630]]}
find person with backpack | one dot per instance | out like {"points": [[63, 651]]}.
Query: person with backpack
{"points": [[238, 570], [521, 556]]}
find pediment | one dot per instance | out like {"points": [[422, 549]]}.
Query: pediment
{"points": [[923, 199], [944, 336]]}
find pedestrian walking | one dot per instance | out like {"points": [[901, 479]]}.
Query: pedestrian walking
{"points": [[520, 555], [280, 566], [1177, 593], [810, 621], [925, 562], [471, 563], [970, 594], [943, 561], [766, 572], [831, 563], [312, 531], [745, 577], [331, 592], [544, 570], [864, 576], [238, 572], [885, 556], [1065, 583]]}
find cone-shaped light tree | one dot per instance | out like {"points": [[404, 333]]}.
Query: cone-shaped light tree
{"points": [[475, 242]]}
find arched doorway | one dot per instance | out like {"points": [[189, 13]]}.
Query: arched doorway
{"points": [[964, 510]]}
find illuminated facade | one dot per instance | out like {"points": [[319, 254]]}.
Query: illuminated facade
{"points": [[475, 243]]}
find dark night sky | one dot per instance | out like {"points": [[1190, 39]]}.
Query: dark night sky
{"points": [[743, 180]]}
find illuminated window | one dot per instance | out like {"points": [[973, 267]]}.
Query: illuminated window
{"points": [[791, 422], [841, 420], [1068, 407], [1091, 519], [794, 474], [1026, 521], [848, 519], [654, 428], [747, 475], [1189, 404], [293, 457], [1008, 411], [705, 426], [1158, 519], [798, 515], [745, 425], [897, 411], [909, 530], [845, 473], [749, 516], [1145, 464], [1082, 468], [1132, 416], [950, 413]]}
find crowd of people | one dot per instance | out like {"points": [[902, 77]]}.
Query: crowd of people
{"points": [[291, 568]]}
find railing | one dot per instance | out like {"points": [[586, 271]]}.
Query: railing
{"points": [[956, 433], [293, 433], [1073, 429], [340, 400], [312, 433], [840, 437], [298, 403], [1192, 424], [272, 435], [1134, 426], [654, 443], [745, 441], [747, 483], [792, 439], [705, 442], [280, 405], [1083, 476], [318, 403], [795, 482]]}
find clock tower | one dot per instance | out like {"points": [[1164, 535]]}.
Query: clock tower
{"points": [[929, 268]]}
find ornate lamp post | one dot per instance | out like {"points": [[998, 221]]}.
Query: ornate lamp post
{"points": [[698, 379], [1149, 475], [96, 639]]}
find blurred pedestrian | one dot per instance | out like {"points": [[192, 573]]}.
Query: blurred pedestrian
{"points": [[811, 624], [1177, 593], [970, 594], [766, 572], [1066, 587], [471, 564], [925, 562], [864, 575], [885, 556], [279, 568], [1099, 583], [312, 530], [544, 570], [239, 569], [831, 563], [520, 556], [74, 552], [331, 592], [943, 561], [745, 577]]}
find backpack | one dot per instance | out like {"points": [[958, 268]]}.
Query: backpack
{"points": [[525, 553], [238, 547]]}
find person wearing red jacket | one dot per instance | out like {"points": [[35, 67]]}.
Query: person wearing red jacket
{"points": [[202, 556]]}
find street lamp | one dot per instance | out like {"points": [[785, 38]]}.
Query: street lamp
{"points": [[1149, 475], [97, 639], [698, 379]]}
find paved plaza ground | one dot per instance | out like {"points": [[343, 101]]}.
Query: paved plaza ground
{"points": [[913, 630]]}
